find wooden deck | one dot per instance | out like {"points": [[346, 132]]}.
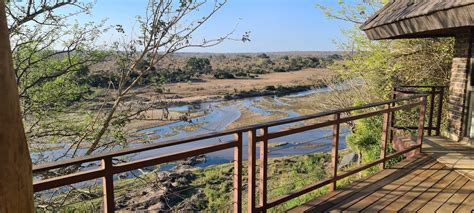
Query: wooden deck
{"points": [[423, 184]]}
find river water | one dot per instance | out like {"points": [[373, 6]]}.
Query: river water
{"points": [[218, 116]]}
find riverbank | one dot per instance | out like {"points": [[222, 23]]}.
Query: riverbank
{"points": [[211, 89], [154, 117]]}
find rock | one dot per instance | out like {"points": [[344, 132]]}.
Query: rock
{"points": [[348, 160], [162, 176], [157, 206], [192, 161], [122, 176], [171, 189]]}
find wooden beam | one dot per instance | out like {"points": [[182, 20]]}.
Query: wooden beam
{"points": [[263, 170], [335, 150], [238, 174], [108, 185], [252, 141], [421, 122], [16, 182], [385, 136]]}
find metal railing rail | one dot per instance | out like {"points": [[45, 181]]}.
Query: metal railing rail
{"points": [[258, 134], [337, 120], [435, 97]]}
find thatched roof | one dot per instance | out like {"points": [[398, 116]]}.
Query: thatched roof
{"points": [[420, 18]]}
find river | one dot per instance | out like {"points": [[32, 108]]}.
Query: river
{"points": [[218, 116]]}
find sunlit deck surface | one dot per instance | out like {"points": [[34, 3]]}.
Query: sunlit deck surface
{"points": [[439, 180]]}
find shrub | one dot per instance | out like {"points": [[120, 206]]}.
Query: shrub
{"points": [[224, 75], [270, 88]]}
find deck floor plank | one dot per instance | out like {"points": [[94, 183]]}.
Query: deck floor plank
{"points": [[467, 205], [433, 181], [377, 194], [435, 203], [327, 201], [384, 196], [436, 181], [429, 194], [461, 194]]}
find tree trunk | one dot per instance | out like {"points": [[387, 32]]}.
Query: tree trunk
{"points": [[16, 183]]}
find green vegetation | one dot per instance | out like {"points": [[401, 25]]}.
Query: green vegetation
{"points": [[383, 65], [272, 90], [184, 68]]}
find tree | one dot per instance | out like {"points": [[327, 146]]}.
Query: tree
{"points": [[49, 51], [198, 66], [16, 182], [166, 28], [382, 65], [387, 63]]}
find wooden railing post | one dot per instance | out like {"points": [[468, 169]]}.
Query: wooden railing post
{"points": [[392, 115], [432, 104], [108, 185], [251, 170], [335, 150], [385, 136], [440, 111], [263, 169], [238, 174], [421, 122]]}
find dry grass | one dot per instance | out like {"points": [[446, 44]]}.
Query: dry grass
{"points": [[210, 88]]}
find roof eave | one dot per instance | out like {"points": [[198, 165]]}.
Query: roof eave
{"points": [[422, 26]]}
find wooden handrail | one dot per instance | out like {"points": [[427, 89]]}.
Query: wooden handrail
{"points": [[258, 134], [433, 92], [333, 180]]}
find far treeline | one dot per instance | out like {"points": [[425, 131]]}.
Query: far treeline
{"points": [[190, 68]]}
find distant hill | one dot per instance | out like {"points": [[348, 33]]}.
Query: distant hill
{"points": [[271, 54]]}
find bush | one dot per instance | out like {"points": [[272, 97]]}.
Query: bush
{"points": [[270, 88], [224, 75], [198, 66]]}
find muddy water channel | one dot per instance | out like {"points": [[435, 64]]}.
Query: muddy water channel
{"points": [[220, 116]]}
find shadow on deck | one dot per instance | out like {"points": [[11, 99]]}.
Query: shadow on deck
{"points": [[439, 180]]}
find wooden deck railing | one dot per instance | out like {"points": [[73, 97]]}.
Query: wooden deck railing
{"points": [[257, 134], [435, 103]]}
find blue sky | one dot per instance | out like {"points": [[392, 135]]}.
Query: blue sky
{"points": [[275, 25]]}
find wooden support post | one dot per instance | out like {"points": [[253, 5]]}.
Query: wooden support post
{"points": [[432, 104], [421, 122], [16, 182], [238, 174], [263, 169], [392, 115], [385, 136], [440, 111], [251, 170], [108, 185], [335, 150]]}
